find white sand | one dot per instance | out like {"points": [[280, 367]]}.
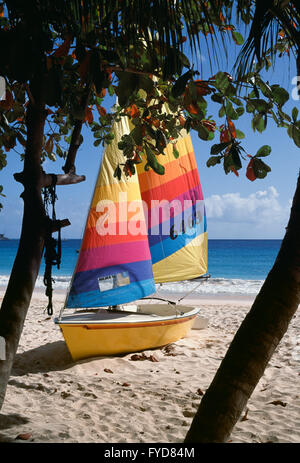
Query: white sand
{"points": [[56, 400]]}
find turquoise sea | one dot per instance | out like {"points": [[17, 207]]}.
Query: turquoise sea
{"points": [[236, 266]]}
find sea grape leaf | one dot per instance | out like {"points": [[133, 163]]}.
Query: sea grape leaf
{"points": [[231, 112], [137, 135], [295, 112], [175, 152], [217, 148], [212, 161], [153, 163], [237, 37], [127, 85], [222, 82], [294, 132], [265, 150], [258, 123], [203, 133], [279, 94], [118, 173], [239, 134], [180, 84], [260, 168], [235, 157]]}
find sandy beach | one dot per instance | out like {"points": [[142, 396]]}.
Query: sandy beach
{"points": [[51, 399]]}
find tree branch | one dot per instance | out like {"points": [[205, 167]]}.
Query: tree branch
{"points": [[62, 179], [69, 166]]}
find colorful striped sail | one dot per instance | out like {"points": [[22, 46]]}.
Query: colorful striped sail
{"points": [[114, 266], [176, 214], [141, 230]]}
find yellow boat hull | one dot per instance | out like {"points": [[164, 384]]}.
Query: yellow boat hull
{"points": [[94, 339]]}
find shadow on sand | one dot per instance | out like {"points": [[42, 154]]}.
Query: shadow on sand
{"points": [[9, 421], [43, 359]]}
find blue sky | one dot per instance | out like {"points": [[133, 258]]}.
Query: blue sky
{"points": [[236, 207]]}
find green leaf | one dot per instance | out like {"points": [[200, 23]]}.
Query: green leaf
{"points": [[222, 111], [214, 160], [111, 90], [294, 133], [237, 164], [203, 133], [175, 152], [250, 108], [127, 86], [279, 94], [295, 114], [222, 81], [3, 161], [180, 84], [239, 134], [118, 173], [265, 88], [237, 37], [284, 116], [137, 135], [97, 142], [152, 161], [263, 151], [217, 98], [231, 112], [260, 105], [260, 168], [217, 148], [258, 123], [240, 110], [275, 117], [146, 84]]}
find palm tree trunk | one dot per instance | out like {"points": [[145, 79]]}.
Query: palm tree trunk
{"points": [[28, 259], [254, 342]]}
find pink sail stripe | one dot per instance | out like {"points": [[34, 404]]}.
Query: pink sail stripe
{"points": [[180, 203], [116, 254]]}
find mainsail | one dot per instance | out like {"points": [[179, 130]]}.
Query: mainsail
{"points": [[141, 230]]}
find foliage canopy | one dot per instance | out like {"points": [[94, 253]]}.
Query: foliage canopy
{"points": [[133, 50]]}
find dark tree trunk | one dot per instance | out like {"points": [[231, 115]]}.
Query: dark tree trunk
{"points": [[254, 342], [28, 259], [34, 226]]}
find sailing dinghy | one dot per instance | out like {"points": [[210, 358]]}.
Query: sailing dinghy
{"points": [[140, 231]]}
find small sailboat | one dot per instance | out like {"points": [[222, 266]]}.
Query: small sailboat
{"points": [[141, 231]]}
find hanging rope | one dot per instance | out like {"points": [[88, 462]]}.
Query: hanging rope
{"points": [[52, 246]]}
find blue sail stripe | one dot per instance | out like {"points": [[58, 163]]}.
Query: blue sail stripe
{"points": [[87, 280], [168, 246], [120, 295], [156, 233]]}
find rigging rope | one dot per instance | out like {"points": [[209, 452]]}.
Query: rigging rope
{"points": [[52, 246]]}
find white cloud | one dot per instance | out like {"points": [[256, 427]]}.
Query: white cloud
{"points": [[259, 212]]}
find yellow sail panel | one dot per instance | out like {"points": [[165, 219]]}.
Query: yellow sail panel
{"points": [[174, 267]]}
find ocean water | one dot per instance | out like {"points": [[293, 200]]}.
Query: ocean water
{"points": [[237, 267]]}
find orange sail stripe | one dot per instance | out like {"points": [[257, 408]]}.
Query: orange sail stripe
{"points": [[119, 212], [172, 169], [172, 189], [92, 239]]}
